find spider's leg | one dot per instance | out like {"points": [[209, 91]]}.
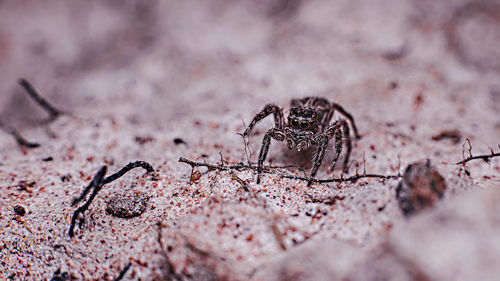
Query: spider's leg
{"points": [[266, 142], [268, 109], [348, 144], [338, 148], [339, 129], [342, 111], [322, 141]]}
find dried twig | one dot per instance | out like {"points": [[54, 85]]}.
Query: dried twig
{"points": [[96, 184], [123, 272], [241, 166], [20, 139], [248, 152], [243, 183], [53, 112], [352, 178], [485, 157]]}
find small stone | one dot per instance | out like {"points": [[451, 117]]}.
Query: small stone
{"points": [[421, 187], [127, 206], [20, 210], [196, 176], [178, 141], [66, 178]]}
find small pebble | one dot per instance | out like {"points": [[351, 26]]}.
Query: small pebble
{"points": [[196, 176], [20, 210], [127, 206], [178, 141]]}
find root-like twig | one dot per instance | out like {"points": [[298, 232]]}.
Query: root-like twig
{"points": [[242, 166], [19, 138], [53, 112], [123, 272], [485, 157]]}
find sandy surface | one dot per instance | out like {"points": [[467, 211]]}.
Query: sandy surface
{"points": [[131, 78]]}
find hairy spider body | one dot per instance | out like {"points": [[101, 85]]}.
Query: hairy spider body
{"points": [[308, 124]]}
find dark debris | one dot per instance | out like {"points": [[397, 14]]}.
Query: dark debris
{"points": [[178, 141], [19, 210], [453, 135], [143, 139], [421, 187], [60, 276]]}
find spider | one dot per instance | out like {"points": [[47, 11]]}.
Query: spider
{"points": [[308, 124]]}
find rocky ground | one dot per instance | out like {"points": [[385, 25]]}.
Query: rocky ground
{"points": [[170, 79]]}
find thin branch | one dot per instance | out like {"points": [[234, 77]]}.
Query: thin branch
{"points": [[123, 272], [216, 167], [269, 170], [96, 184], [145, 165], [53, 112], [243, 183], [352, 178], [248, 152], [463, 149], [221, 158], [21, 140], [485, 157], [238, 166]]}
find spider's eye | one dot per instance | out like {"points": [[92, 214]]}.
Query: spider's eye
{"points": [[295, 123], [304, 124]]}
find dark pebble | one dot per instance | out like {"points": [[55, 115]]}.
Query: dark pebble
{"points": [[178, 141], [20, 210]]}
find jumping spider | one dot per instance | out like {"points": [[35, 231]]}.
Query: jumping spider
{"points": [[308, 124]]}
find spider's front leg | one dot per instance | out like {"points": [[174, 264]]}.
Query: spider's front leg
{"points": [[344, 112], [272, 133], [268, 109], [322, 141]]}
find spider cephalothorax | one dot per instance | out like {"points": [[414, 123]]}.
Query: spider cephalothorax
{"points": [[307, 124]]}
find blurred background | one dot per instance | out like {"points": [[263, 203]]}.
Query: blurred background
{"points": [[169, 58]]}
